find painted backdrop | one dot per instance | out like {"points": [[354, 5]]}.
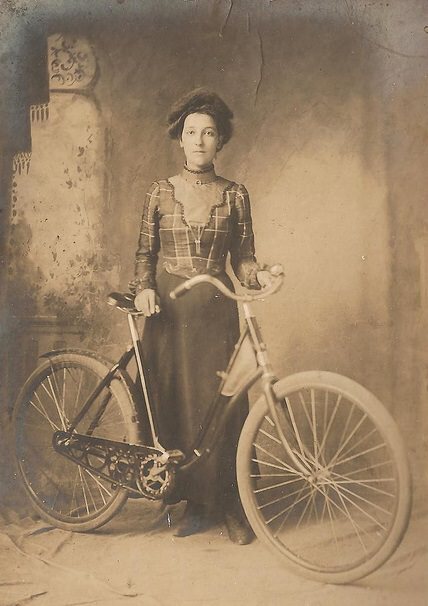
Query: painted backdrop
{"points": [[330, 140]]}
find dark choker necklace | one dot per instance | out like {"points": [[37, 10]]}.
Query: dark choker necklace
{"points": [[200, 172]]}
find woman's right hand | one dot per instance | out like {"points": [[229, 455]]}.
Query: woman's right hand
{"points": [[147, 301]]}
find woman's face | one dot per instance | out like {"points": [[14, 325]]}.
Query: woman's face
{"points": [[200, 140]]}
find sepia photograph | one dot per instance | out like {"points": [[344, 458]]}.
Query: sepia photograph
{"points": [[213, 302]]}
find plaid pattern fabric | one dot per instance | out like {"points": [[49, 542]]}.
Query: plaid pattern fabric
{"points": [[190, 249]]}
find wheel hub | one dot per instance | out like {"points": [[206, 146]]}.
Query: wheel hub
{"points": [[320, 477]]}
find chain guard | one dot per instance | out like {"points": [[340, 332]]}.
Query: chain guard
{"points": [[137, 468]]}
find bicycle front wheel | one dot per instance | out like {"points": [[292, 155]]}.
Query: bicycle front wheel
{"points": [[65, 494], [343, 514]]}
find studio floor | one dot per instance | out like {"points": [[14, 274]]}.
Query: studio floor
{"points": [[133, 561]]}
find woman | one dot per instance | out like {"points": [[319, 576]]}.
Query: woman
{"points": [[195, 219]]}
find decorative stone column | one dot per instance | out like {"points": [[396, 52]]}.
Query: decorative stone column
{"points": [[59, 270]]}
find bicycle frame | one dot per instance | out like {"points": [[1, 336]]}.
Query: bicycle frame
{"points": [[248, 363]]}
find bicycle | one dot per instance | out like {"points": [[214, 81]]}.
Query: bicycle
{"points": [[322, 470]]}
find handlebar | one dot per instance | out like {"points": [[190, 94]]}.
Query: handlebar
{"points": [[276, 271], [125, 302]]}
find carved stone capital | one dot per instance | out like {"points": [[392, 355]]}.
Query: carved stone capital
{"points": [[72, 63]]}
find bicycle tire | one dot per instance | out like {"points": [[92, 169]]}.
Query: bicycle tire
{"points": [[347, 515], [63, 493]]}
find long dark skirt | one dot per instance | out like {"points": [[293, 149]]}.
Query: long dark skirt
{"points": [[184, 347]]}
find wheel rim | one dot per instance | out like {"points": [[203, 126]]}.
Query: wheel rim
{"points": [[340, 513], [59, 487]]}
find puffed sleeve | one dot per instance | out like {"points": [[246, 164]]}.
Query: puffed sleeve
{"points": [[242, 253], [148, 243]]}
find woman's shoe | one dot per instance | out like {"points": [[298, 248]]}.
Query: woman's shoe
{"points": [[238, 529], [193, 520]]}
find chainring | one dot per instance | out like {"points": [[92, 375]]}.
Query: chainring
{"points": [[156, 479]]}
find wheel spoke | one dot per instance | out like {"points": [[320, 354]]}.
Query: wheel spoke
{"points": [[346, 425], [271, 475], [302, 515], [288, 510], [79, 384], [296, 430], [268, 435], [43, 413], [83, 489], [53, 398], [365, 483], [73, 495], [356, 428], [272, 486], [361, 454], [368, 468], [314, 425], [360, 441], [79, 388], [281, 498], [85, 480], [345, 510], [269, 464], [101, 486], [324, 424], [355, 526], [58, 391], [63, 392], [363, 511], [330, 515], [330, 423], [355, 494], [305, 410], [284, 465]]}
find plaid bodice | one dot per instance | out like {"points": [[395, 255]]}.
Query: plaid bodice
{"points": [[196, 232]]}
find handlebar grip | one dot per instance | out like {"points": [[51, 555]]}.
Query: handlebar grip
{"points": [[276, 270], [180, 290]]}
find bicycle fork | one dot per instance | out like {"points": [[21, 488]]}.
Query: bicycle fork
{"points": [[268, 379]]}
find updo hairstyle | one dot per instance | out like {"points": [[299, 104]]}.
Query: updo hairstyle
{"points": [[201, 101]]}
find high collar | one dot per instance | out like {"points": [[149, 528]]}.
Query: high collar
{"points": [[199, 177]]}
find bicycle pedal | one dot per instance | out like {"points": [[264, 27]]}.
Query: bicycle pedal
{"points": [[173, 456]]}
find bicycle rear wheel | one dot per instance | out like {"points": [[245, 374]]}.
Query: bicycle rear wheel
{"points": [[63, 493], [346, 514]]}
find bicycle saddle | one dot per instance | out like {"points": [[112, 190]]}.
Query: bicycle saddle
{"points": [[124, 300]]}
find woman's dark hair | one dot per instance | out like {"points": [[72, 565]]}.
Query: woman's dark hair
{"points": [[201, 101]]}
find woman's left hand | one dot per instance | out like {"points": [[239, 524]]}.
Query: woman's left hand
{"points": [[264, 278]]}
